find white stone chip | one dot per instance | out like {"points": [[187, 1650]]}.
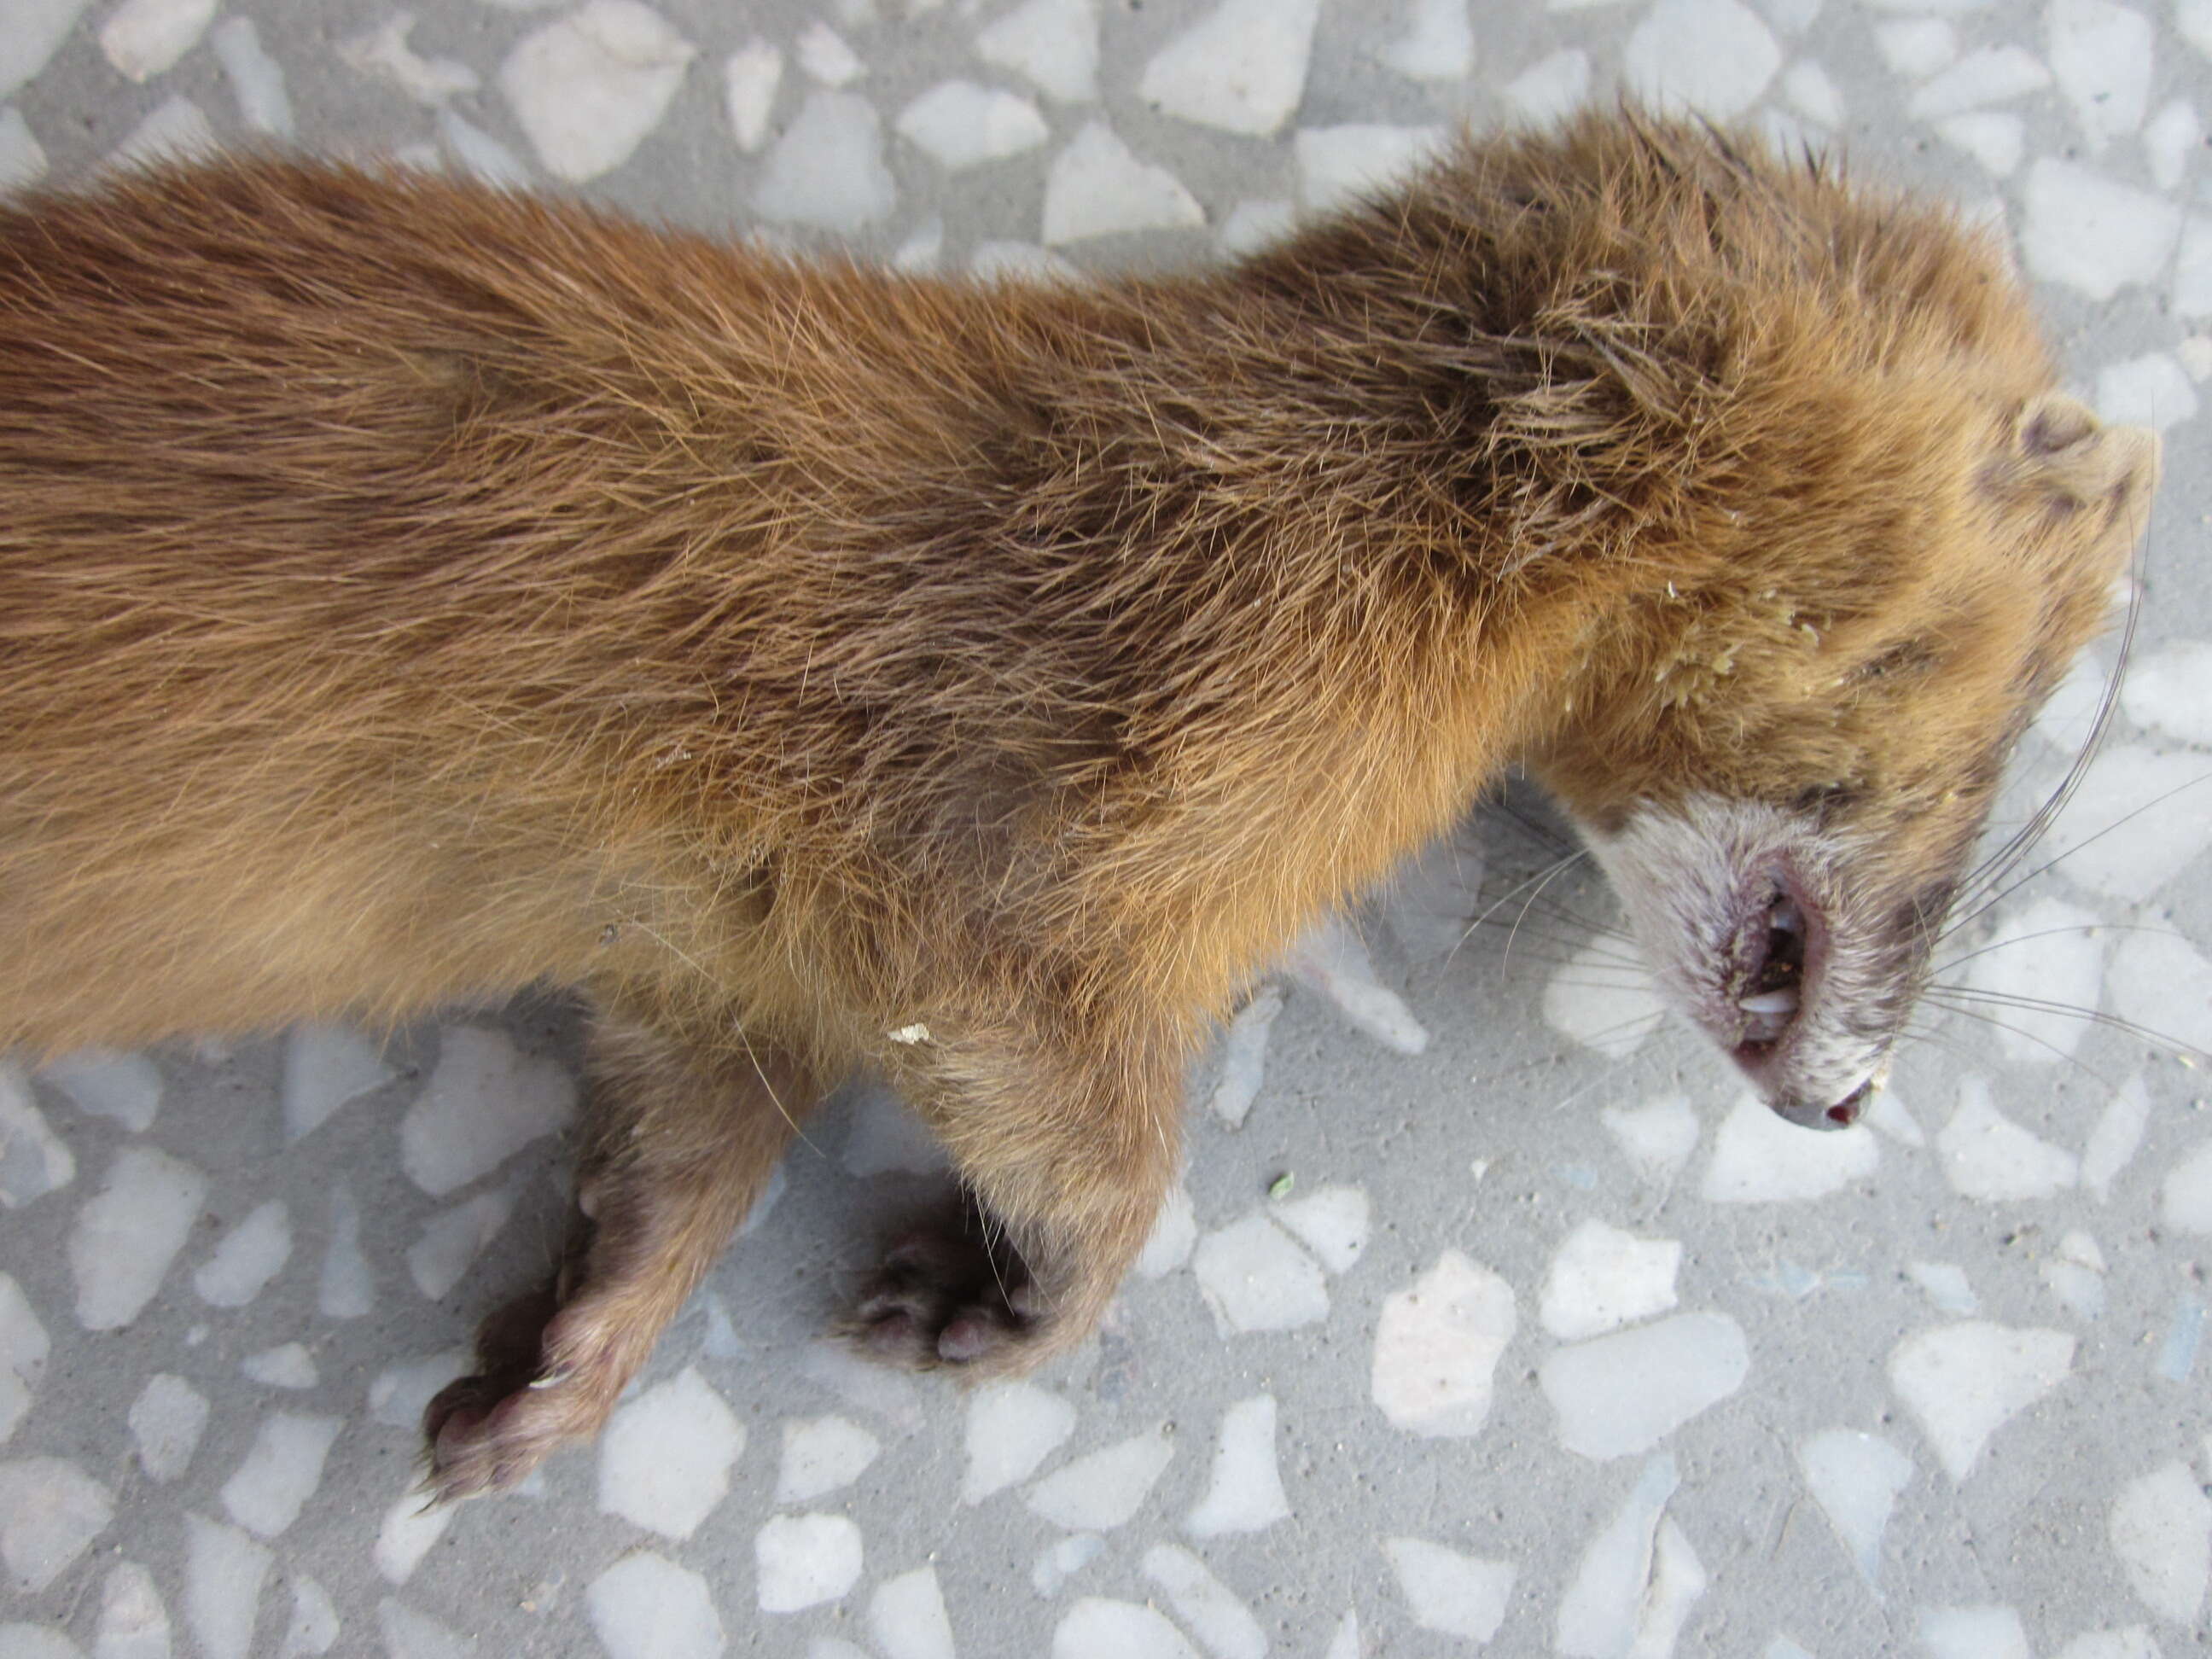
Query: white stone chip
{"points": [[665, 1457], [1012, 1427], [2161, 1526], [1657, 1137], [1919, 46], [1601, 1614], [251, 1254], [124, 1087], [2192, 285], [35, 28], [2164, 983], [411, 1635], [1714, 56], [409, 1530], [1255, 1279], [891, 1395], [133, 1623], [1976, 1632], [484, 1102], [286, 1366], [2186, 1195], [1551, 87], [2169, 691], [2049, 952], [1992, 74], [1812, 93], [1240, 68], [453, 1239], [1345, 1644], [1059, 1563], [2096, 234], [1601, 1279], [1620, 1394], [587, 88], [2170, 137], [1209, 1609], [750, 76], [23, 163], [224, 1570], [1245, 1049], [1333, 960], [995, 257], [400, 1392], [962, 124], [347, 1287], [1962, 1382], [1458, 1595], [1096, 186], [1996, 139], [33, 1160], [1098, 1493], [1053, 42], [1095, 1628], [646, 1606], [2100, 55], [144, 38], [1244, 1490], [325, 1066], [826, 170], [823, 56], [488, 159], [821, 1455], [1436, 1345], [1856, 1479], [176, 130], [1760, 1159], [1174, 1236], [803, 1560], [1330, 1221], [1252, 224], [128, 1233], [166, 1420], [2152, 390], [23, 1640], [256, 80], [1339, 163], [50, 1512], [2119, 1132], [383, 53], [24, 1346], [1439, 43], [906, 1615], [1988, 1157], [280, 1472], [1602, 1001]]}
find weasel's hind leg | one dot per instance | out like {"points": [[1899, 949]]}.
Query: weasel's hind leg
{"points": [[1065, 1164], [677, 1144]]}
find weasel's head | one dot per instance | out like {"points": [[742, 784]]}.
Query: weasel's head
{"points": [[1783, 756]]}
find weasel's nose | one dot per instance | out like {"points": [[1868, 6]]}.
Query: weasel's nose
{"points": [[1824, 1114]]}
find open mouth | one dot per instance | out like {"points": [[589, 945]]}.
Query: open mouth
{"points": [[1767, 974]]}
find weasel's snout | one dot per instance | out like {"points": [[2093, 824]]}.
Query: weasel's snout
{"points": [[1818, 1113]]}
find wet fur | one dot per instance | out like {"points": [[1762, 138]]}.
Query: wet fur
{"points": [[410, 593]]}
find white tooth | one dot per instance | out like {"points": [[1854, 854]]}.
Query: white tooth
{"points": [[1771, 1002], [1787, 918]]}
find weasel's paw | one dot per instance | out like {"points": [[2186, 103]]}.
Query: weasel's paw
{"points": [[943, 1297], [488, 1432]]}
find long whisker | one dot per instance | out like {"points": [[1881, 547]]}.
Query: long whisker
{"points": [[2171, 1044], [1946, 966]]}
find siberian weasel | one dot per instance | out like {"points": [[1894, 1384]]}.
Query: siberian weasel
{"points": [[411, 591]]}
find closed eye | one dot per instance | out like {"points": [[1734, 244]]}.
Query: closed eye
{"points": [[1912, 656]]}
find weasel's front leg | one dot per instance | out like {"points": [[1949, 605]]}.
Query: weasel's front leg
{"points": [[677, 1144], [1065, 1160]]}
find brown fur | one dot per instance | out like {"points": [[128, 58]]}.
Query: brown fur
{"points": [[409, 592]]}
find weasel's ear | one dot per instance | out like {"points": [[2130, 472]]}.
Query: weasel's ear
{"points": [[2061, 448]]}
